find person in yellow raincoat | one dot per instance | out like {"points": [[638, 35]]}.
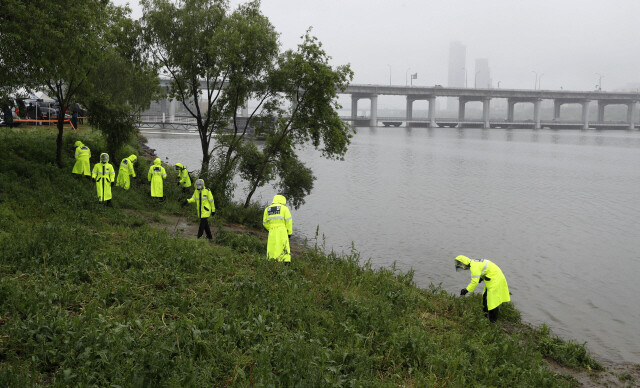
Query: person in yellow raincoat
{"points": [[205, 207], [83, 154], [496, 290], [183, 176], [277, 220], [104, 174], [156, 176], [126, 170]]}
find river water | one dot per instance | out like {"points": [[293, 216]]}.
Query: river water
{"points": [[558, 211]]}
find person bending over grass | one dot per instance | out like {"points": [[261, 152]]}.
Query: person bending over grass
{"points": [[496, 290]]}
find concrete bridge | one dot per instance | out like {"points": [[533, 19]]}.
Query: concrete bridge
{"points": [[165, 112], [513, 97]]}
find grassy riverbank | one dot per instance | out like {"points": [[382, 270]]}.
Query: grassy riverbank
{"points": [[91, 295]]}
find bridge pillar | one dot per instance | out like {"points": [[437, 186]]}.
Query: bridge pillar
{"points": [[172, 110], [536, 113], [631, 114], [461, 105], [409, 111], [432, 112], [556, 109], [510, 108], [354, 109], [585, 114], [486, 108], [373, 122], [601, 105]]}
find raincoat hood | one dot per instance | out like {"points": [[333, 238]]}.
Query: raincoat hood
{"points": [[104, 155], [463, 259], [462, 263], [78, 143], [198, 181], [279, 199], [179, 165], [157, 162], [133, 158]]}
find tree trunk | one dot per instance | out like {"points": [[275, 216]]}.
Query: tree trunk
{"points": [[253, 190], [59, 138], [206, 158], [255, 184]]}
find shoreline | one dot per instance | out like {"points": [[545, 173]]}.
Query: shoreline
{"points": [[615, 373], [601, 358]]}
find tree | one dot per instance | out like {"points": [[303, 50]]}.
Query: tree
{"points": [[305, 78], [11, 58], [58, 44], [219, 61], [66, 47], [124, 82], [203, 49]]}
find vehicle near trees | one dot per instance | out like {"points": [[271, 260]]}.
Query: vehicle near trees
{"points": [[40, 110]]}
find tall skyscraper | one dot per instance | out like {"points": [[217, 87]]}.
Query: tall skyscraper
{"points": [[457, 70], [482, 76]]}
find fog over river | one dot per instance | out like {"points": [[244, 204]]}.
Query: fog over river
{"points": [[558, 211]]}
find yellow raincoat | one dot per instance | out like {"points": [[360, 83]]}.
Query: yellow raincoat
{"points": [[277, 220], [156, 176], [495, 287], [83, 154], [104, 175], [204, 202], [183, 176], [126, 170]]}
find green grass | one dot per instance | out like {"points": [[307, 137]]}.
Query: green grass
{"points": [[91, 295]]}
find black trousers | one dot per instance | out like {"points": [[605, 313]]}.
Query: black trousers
{"points": [[492, 314], [204, 226]]}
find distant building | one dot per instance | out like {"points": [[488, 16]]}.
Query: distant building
{"points": [[482, 76], [457, 71]]}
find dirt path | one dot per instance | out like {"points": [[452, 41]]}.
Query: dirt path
{"points": [[183, 227]]}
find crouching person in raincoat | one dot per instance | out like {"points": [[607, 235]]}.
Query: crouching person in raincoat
{"points": [[496, 290], [277, 220], [204, 205], [83, 154], [183, 177], [104, 174], [126, 170], [156, 176]]}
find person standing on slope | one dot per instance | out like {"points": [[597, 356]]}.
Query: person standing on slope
{"points": [[204, 206], [104, 174], [277, 220], [156, 176]]}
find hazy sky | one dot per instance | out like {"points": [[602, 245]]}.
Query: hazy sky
{"points": [[568, 41]]}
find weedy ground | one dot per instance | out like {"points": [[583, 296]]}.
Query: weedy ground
{"points": [[92, 295]]}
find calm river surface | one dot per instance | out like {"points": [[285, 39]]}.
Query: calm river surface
{"points": [[558, 211]]}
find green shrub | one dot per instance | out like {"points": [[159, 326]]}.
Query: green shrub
{"points": [[565, 352], [238, 214]]}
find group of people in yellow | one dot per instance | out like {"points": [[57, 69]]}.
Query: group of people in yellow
{"points": [[104, 174], [276, 219]]}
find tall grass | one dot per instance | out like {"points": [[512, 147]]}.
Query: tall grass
{"points": [[91, 295]]}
